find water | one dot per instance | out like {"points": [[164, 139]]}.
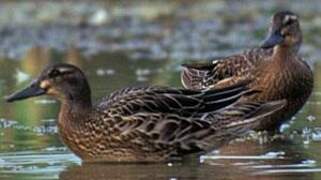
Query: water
{"points": [[138, 47]]}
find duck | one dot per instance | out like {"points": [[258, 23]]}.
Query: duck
{"points": [[275, 69], [144, 124]]}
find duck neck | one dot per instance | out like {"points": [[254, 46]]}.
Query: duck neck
{"points": [[284, 54], [73, 115], [75, 110], [78, 105]]}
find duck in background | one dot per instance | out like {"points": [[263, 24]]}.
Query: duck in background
{"points": [[275, 69]]}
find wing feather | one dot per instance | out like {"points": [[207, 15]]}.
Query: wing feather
{"points": [[222, 72], [182, 102], [189, 135]]}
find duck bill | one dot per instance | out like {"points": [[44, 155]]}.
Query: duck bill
{"points": [[31, 91], [272, 40]]}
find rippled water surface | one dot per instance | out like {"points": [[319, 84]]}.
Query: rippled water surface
{"points": [[145, 43]]}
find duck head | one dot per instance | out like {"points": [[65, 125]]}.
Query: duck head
{"points": [[62, 81], [284, 31]]}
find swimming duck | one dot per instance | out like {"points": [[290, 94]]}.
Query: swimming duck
{"points": [[144, 124], [276, 70]]}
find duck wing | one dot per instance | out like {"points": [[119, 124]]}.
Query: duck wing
{"points": [[182, 102], [159, 132], [222, 72]]}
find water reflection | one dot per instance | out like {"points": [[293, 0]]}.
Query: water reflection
{"points": [[130, 171], [231, 164], [149, 171], [237, 165], [43, 164]]}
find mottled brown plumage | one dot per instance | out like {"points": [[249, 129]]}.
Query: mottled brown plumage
{"points": [[275, 69], [144, 124]]}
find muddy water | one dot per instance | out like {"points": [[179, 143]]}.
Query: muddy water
{"points": [[149, 50]]}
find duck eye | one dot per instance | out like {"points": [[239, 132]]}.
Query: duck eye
{"points": [[289, 22], [54, 73], [289, 19]]}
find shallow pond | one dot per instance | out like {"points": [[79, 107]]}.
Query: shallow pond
{"points": [[151, 53]]}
